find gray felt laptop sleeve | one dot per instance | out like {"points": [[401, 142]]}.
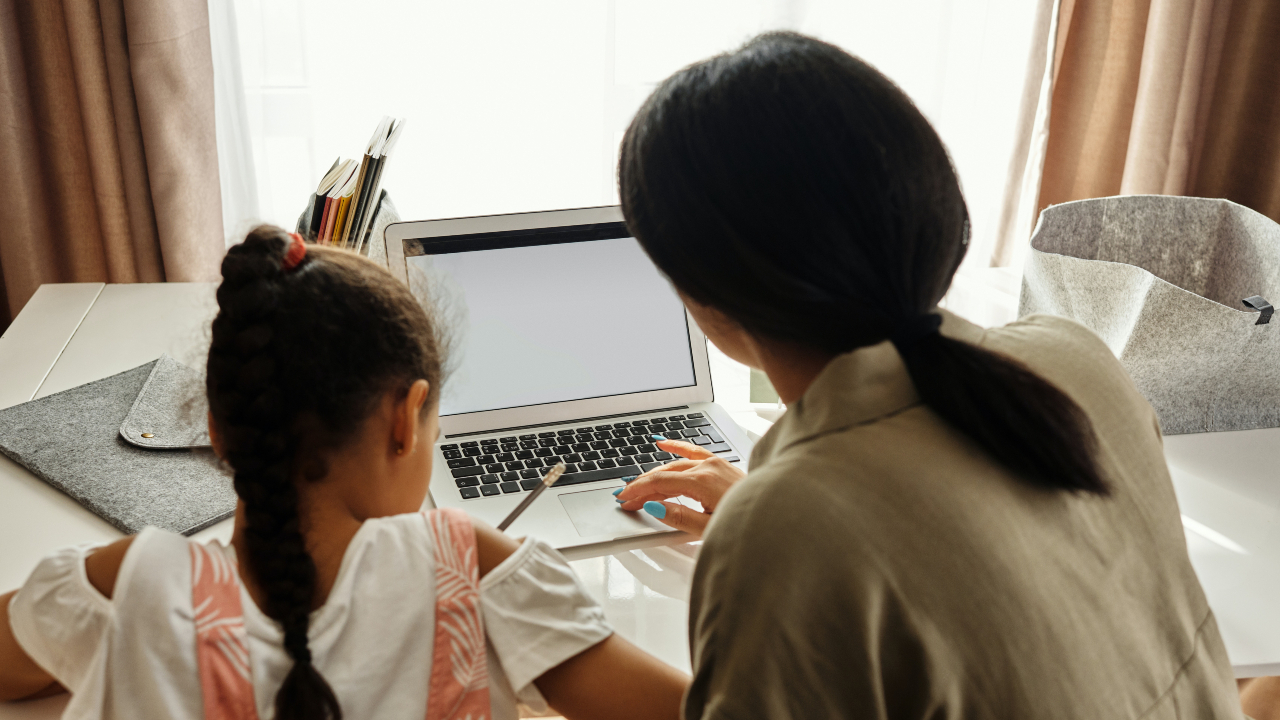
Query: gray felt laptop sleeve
{"points": [[133, 448]]}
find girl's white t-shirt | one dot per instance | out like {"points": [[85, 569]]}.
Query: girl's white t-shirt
{"points": [[134, 655]]}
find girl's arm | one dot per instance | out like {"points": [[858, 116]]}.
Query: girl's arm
{"points": [[20, 677], [610, 680]]}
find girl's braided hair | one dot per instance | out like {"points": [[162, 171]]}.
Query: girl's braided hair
{"points": [[298, 362]]}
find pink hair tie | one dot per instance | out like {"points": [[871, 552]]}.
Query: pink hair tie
{"points": [[297, 250]]}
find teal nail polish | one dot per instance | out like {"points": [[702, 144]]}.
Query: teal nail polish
{"points": [[659, 438], [629, 478], [615, 492], [656, 509]]}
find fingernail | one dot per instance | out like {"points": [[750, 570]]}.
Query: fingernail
{"points": [[659, 438], [620, 501], [615, 492], [656, 509], [628, 479]]}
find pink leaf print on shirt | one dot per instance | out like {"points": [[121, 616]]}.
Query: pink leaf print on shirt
{"points": [[459, 688], [222, 645]]}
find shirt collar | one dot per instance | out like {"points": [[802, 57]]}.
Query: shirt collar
{"points": [[855, 388]]}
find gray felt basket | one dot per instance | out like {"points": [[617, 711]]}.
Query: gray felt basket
{"points": [[1177, 287]]}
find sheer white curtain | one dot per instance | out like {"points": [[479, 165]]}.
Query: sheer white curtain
{"points": [[515, 105]]}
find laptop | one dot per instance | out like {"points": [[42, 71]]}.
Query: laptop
{"points": [[567, 345]]}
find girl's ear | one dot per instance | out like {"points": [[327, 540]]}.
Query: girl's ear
{"points": [[407, 428], [214, 439]]}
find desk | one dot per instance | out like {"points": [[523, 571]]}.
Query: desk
{"points": [[72, 334]]}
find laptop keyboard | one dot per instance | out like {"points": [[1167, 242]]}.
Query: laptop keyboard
{"points": [[516, 463]]}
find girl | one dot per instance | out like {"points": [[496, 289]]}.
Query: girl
{"points": [[336, 598]]}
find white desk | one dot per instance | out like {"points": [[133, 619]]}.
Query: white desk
{"points": [[68, 335]]}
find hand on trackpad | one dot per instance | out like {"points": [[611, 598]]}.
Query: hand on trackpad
{"points": [[595, 513]]}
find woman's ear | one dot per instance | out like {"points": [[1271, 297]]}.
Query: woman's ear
{"points": [[407, 427], [215, 440]]}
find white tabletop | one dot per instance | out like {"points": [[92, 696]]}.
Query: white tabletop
{"points": [[72, 334]]}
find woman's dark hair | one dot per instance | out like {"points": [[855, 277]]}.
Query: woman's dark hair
{"points": [[298, 362], [795, 189]]}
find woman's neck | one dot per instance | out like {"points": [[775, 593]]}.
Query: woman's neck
{"points": [[791, 368]]}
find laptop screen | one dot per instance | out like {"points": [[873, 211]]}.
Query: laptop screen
{"points": [[552, 315]]}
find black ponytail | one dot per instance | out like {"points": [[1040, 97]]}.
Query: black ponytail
{"points": [[798, 173], [297, 361]]}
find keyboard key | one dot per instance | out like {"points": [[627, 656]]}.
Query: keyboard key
{"points": [[694, 415], [696, 423], [526, 474], [656, 421], [470, 443], [489, 479], [546, 434], [530, 436], [647, 448], [602, 464], [515, 465], [731, 458], [524, 454], [610, 453], [508, 439], [470, 493], [448, 447], [509, 476], [533, 463], [573, 458], [584, 438], [485, 459], [472, 452], [528, 444], [504, 457], [623, 433], [452, 454], [543, 452], [617, 443], [641, 421], [628, 450], [461, 463], [562, 450], [650, 466], [586, 466], [467, 481], [602, 435], [488, 490], [592, 455], [621, 425], [719, 447], [691, 433], [673, 427], [509, 447], [581, 447], [510, 487], [715, 436], [663, 456], [701, 440], [577, 478], [551, 461], [530, 484], [603, 427], [548, 442], [586, 430], [599, 445], [569, 467], [562, 433], [489, 441], [641, 431], [638, 440], [494, 467], [674, 418], [643, 459]]}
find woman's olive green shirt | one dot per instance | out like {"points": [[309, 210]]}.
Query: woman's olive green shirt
{"points": [[876, 563]]}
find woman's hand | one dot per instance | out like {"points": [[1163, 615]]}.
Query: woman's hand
{"points": [[699, 475]]}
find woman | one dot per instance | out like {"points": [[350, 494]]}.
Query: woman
{"points": [[947, 522]]}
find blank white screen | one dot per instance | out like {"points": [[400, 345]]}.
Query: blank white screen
{"points": [[550, 323]]}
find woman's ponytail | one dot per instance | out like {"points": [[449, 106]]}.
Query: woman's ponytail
{"points": [[1020, 419]]}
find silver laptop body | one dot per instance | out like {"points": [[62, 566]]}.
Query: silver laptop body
{"points": [[569, 345]]}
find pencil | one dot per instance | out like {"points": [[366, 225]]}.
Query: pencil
{"points": [[547, 481]]}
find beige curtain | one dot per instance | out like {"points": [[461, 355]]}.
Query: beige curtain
{"points": [[110, 169], [1173, 97]]}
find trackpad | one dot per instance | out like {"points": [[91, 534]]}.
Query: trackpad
{"points": [[596, 512]]}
